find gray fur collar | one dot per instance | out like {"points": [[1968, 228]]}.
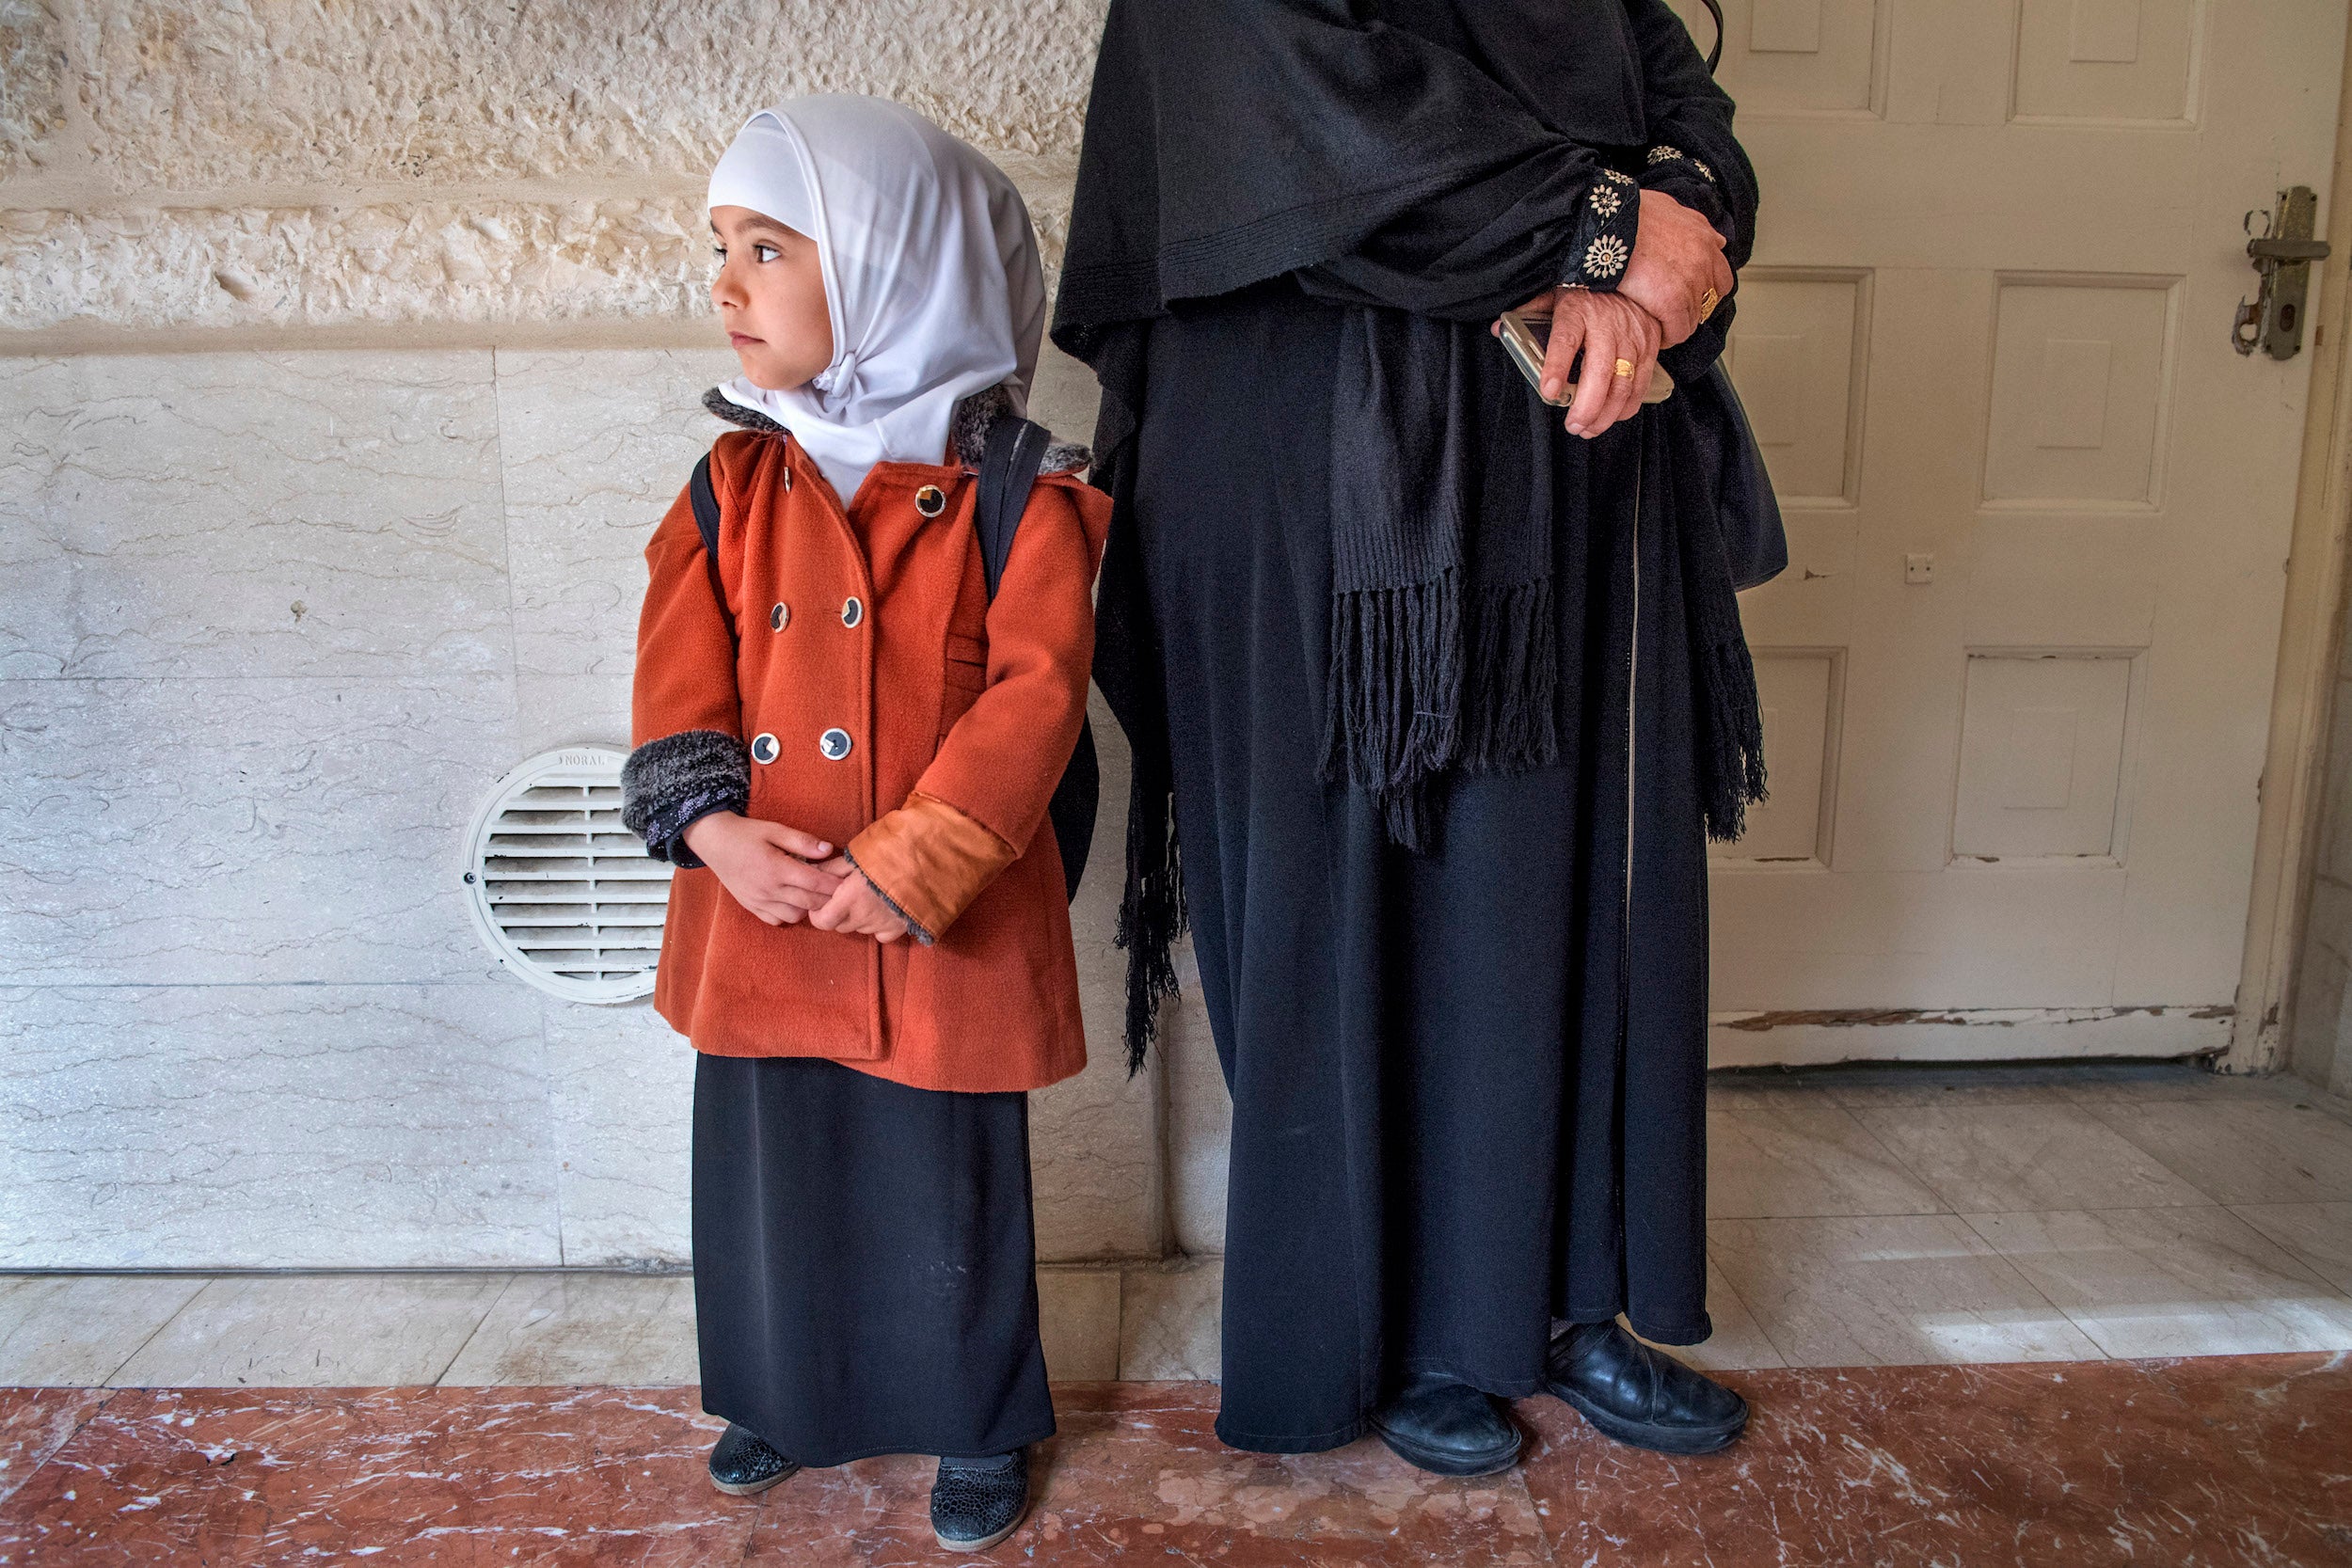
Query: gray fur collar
{"points": [[968, 428]]}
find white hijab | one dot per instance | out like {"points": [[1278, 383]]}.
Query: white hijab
{"points": [[931, 276]]}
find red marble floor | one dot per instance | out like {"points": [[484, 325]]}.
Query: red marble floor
{"points": [[2230, 1460]]}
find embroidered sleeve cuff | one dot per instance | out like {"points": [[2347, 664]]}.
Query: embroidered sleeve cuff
{"points": [[928, 860], [1690, 182], [1606, 222], [672, 781]]}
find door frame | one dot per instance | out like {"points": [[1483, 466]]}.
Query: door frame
{"points": [[2311, 638]]}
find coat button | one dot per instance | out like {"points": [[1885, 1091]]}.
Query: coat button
{"points": [[764, 748], [835, 744], [778, 617], [851, 612], [931, 500]]}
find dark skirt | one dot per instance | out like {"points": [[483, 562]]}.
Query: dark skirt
{"points": [[865, 1267], [1469, 1087]]}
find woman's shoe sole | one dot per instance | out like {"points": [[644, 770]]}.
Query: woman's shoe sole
{"points": [[1436, 1465], [1645, 1434], [751, 1488]]}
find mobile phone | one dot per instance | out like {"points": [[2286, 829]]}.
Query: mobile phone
{"points": [[1525, 338]]}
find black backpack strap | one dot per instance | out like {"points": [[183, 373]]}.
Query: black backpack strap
{"points": [[705, 503], [1716, 54], [1008, 465]]}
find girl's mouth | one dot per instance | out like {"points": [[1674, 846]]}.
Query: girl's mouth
{"points": [[737, 339]]}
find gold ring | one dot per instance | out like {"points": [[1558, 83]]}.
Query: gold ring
{"points": [[1707, 302], [1625, 370]]}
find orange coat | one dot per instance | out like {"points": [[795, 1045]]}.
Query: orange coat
{"points": [[881, 702]]}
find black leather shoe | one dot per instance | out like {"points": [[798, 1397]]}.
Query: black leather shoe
{"points": [[1640, 1395], [1446, 1428], [978, 1502], [742, 1464]]}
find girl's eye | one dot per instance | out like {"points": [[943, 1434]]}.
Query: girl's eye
{"points": [[720, 251], [765, 253]]}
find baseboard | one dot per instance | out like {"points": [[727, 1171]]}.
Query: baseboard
{"points": [[1962, 1035]]}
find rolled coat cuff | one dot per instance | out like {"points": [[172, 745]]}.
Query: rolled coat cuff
{"points": [[669, 783], [928, 860]]}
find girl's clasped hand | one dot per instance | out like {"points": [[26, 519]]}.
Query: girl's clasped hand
{"points": [[784, 876]]}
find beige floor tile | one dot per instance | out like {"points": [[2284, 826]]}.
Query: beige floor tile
{"points": [[2150, 1082], [2320, 1234], [1870, 1089], [633, 1330], [1888, 1290], [2243, 1151], [1991, 1158], [1739, 1091], [1736, 1343], [337, 1330], [73, 1330], [1798, 1161], [2146, 1282], [1169, 1320], [1078, 1320]]}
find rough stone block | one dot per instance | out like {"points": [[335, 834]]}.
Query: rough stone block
{"points": [[32, 84], [185, 94]]}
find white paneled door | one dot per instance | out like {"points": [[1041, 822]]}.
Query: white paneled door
{"points": [[2017, 677]]}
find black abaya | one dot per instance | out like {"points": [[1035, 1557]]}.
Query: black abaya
{"points": [[864, 1266], [1468, 1085]]}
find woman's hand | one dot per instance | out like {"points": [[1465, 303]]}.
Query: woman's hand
{"points": [[856, 908], [1677, 257], [765, 866], [1611, 332]]}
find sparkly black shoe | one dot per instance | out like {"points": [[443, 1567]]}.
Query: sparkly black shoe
{"points": [[978, 1502], [742, 1464], [1639, 1394], [1446, 1428]]}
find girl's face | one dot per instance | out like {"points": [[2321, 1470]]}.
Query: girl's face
{"points": [[771, 293]]}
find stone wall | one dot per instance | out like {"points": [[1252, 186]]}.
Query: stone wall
{"points": [[354, 347]]}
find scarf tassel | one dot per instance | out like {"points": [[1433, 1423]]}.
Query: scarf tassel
{"points": [[1732, 758], [1397, 716]]}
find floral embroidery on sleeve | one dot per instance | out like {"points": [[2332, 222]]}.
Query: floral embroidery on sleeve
{"points": [[1663, 153], [1604, 237]]}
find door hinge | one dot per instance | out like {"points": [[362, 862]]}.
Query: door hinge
{"points": [[2282, 255]]}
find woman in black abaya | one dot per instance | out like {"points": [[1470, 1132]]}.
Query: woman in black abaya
{"points": [[1440, 698]]}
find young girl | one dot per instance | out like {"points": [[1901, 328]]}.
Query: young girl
{"points": [[847, 746]]}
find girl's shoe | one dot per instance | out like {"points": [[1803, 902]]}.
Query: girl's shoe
{"points": [[742, 1464], [978, 1502]]}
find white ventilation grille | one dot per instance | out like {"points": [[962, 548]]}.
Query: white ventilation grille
{"points": [[563, 892]]}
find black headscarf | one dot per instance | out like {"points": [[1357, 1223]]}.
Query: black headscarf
{"points": [[1429, 163]]}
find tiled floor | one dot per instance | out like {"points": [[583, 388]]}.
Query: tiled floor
{"points": [[2061, 1230]]}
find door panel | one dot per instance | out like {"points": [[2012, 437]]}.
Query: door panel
{"points": [[2017, 674]]}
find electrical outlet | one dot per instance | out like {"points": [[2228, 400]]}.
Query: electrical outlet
{"points": [[1918, 568]]}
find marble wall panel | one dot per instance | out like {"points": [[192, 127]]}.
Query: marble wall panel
{"points": [[227, 515], [174, 831], [185, 94], [595, 447], [32, 83], [1094, 1140], [330, 1126], [621, 1091]]}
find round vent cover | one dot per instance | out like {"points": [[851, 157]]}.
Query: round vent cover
{"points": [[563, 892]]}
